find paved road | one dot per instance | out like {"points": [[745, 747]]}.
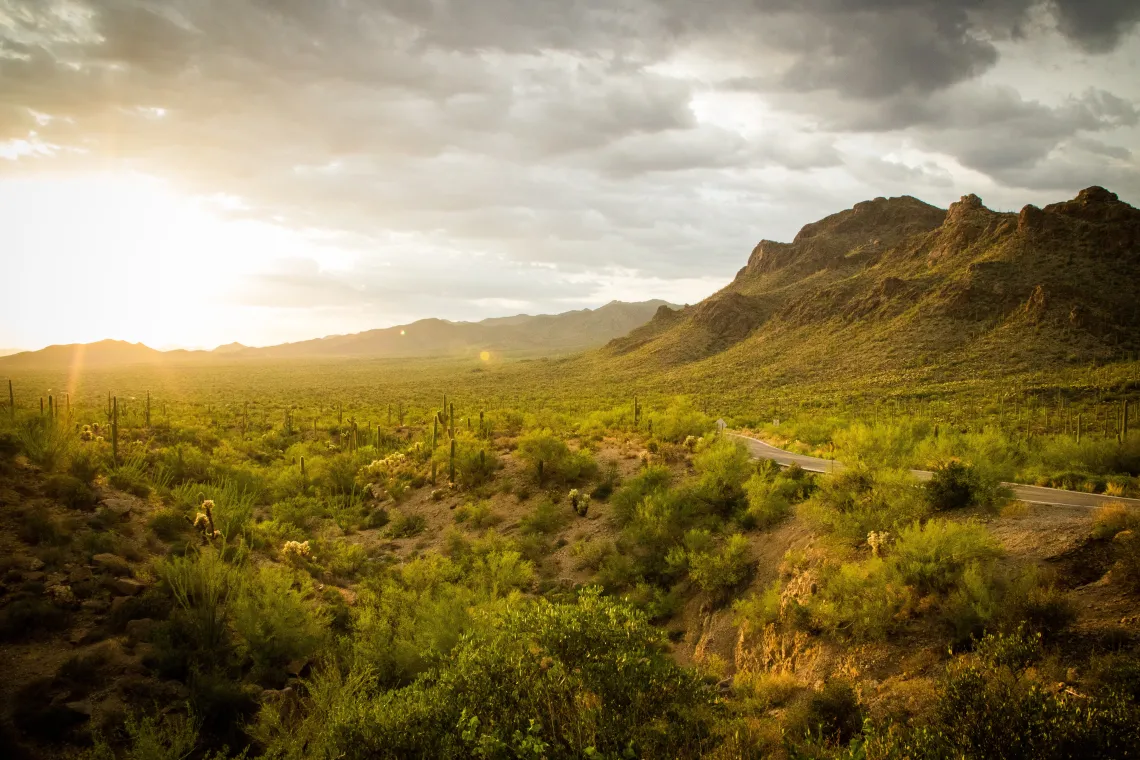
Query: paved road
{"points": [[1031, 494]]}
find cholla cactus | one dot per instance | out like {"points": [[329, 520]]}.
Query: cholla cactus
{"points": [[86, 434], [690, 442], [877, 540], [298, 549], [579, 501], [204, 522]]}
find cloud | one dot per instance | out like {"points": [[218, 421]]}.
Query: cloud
{"points": [[656, 137]]}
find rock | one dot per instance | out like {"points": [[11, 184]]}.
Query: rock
{"points": [[35, 563], [34, 576], [95, 605], [121, 508], [127, 586], [79, 575], [140, 630], [81, 637], [112, 563], [82, 709]]}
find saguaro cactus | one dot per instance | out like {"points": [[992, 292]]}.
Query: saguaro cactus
{"points": [[636, 412], [1124, 422], [451, 463], [115, 432], [302, 466], [11, 401], [148, 408], [1078, 428]]}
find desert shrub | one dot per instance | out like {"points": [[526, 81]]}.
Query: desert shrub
{"points": [[475, 461], [856, 501], [130, 475], [44, 442], [171, 737], [771, 495], [186, 463], [70, 491], [760, 609], [932, 557], [202, 586], [559, 464], [546, 518], [626, 499], [1127, 569], [718, 571], [991, 711], [152, 603], [1112, 519], [1012, 650], [590, 553], [831, 716], [955, 485], [299, 511], [37, 526], [880, 444], [24, 618], [722, 468], [408, 620], [594, 672], [858, 600], [679, 421], [497, 573], [275, 623], [85, 464], [609, 478], [477, 516], [404, 525]]}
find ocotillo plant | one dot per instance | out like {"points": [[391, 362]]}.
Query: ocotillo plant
{"points": [[115, 432]]}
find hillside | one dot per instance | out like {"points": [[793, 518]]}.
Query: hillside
{"points": [[521, 335], [896, 283]]}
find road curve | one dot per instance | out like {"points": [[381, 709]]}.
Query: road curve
{"points": [[1030, 494]]}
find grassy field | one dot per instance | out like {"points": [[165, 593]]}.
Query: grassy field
{"points": [[559, 558]]}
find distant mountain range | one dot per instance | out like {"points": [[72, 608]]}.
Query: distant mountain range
{"points": [[521, 335]]}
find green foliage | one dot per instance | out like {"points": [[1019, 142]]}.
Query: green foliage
{"points": [[546, 518], [956, 486], [831, 716], [45, 442], [173, 737], [540, 679], [932, 557], [275, 622], [629, 497], [559, 464], [405, 525], [719, 571], [70, 491], [679, 421], [24, 618], [203, 586], [722, 468], [856, 501], [771, 494]]}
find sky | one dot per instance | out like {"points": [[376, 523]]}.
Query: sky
{"points": [[195, 172]]}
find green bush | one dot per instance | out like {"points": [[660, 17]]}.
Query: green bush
{"points": [[24, 618], [403, 525], [546, 518], [933, 556], [680, 421], [536, 679], [559, 464], [70, 491], [831, 716], [628, 498], [722, 468], [718, 571], [857, 501], [44, 442], [275, 623]]}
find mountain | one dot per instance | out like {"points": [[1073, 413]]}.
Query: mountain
{"points": [[896, 283], [105, 353], [520, 335]]}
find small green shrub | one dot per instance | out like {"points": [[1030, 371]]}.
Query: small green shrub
{"points": [[954, 486], [831, 716], [546, 518], [626, 499], [722, 468], [718, 571], [169, 525], [70, 491], [24, 618], [403, 525]]}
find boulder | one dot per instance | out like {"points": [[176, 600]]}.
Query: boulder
{"points": [[121, 508], [140, 630], [112, 563], [127, 586]]}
